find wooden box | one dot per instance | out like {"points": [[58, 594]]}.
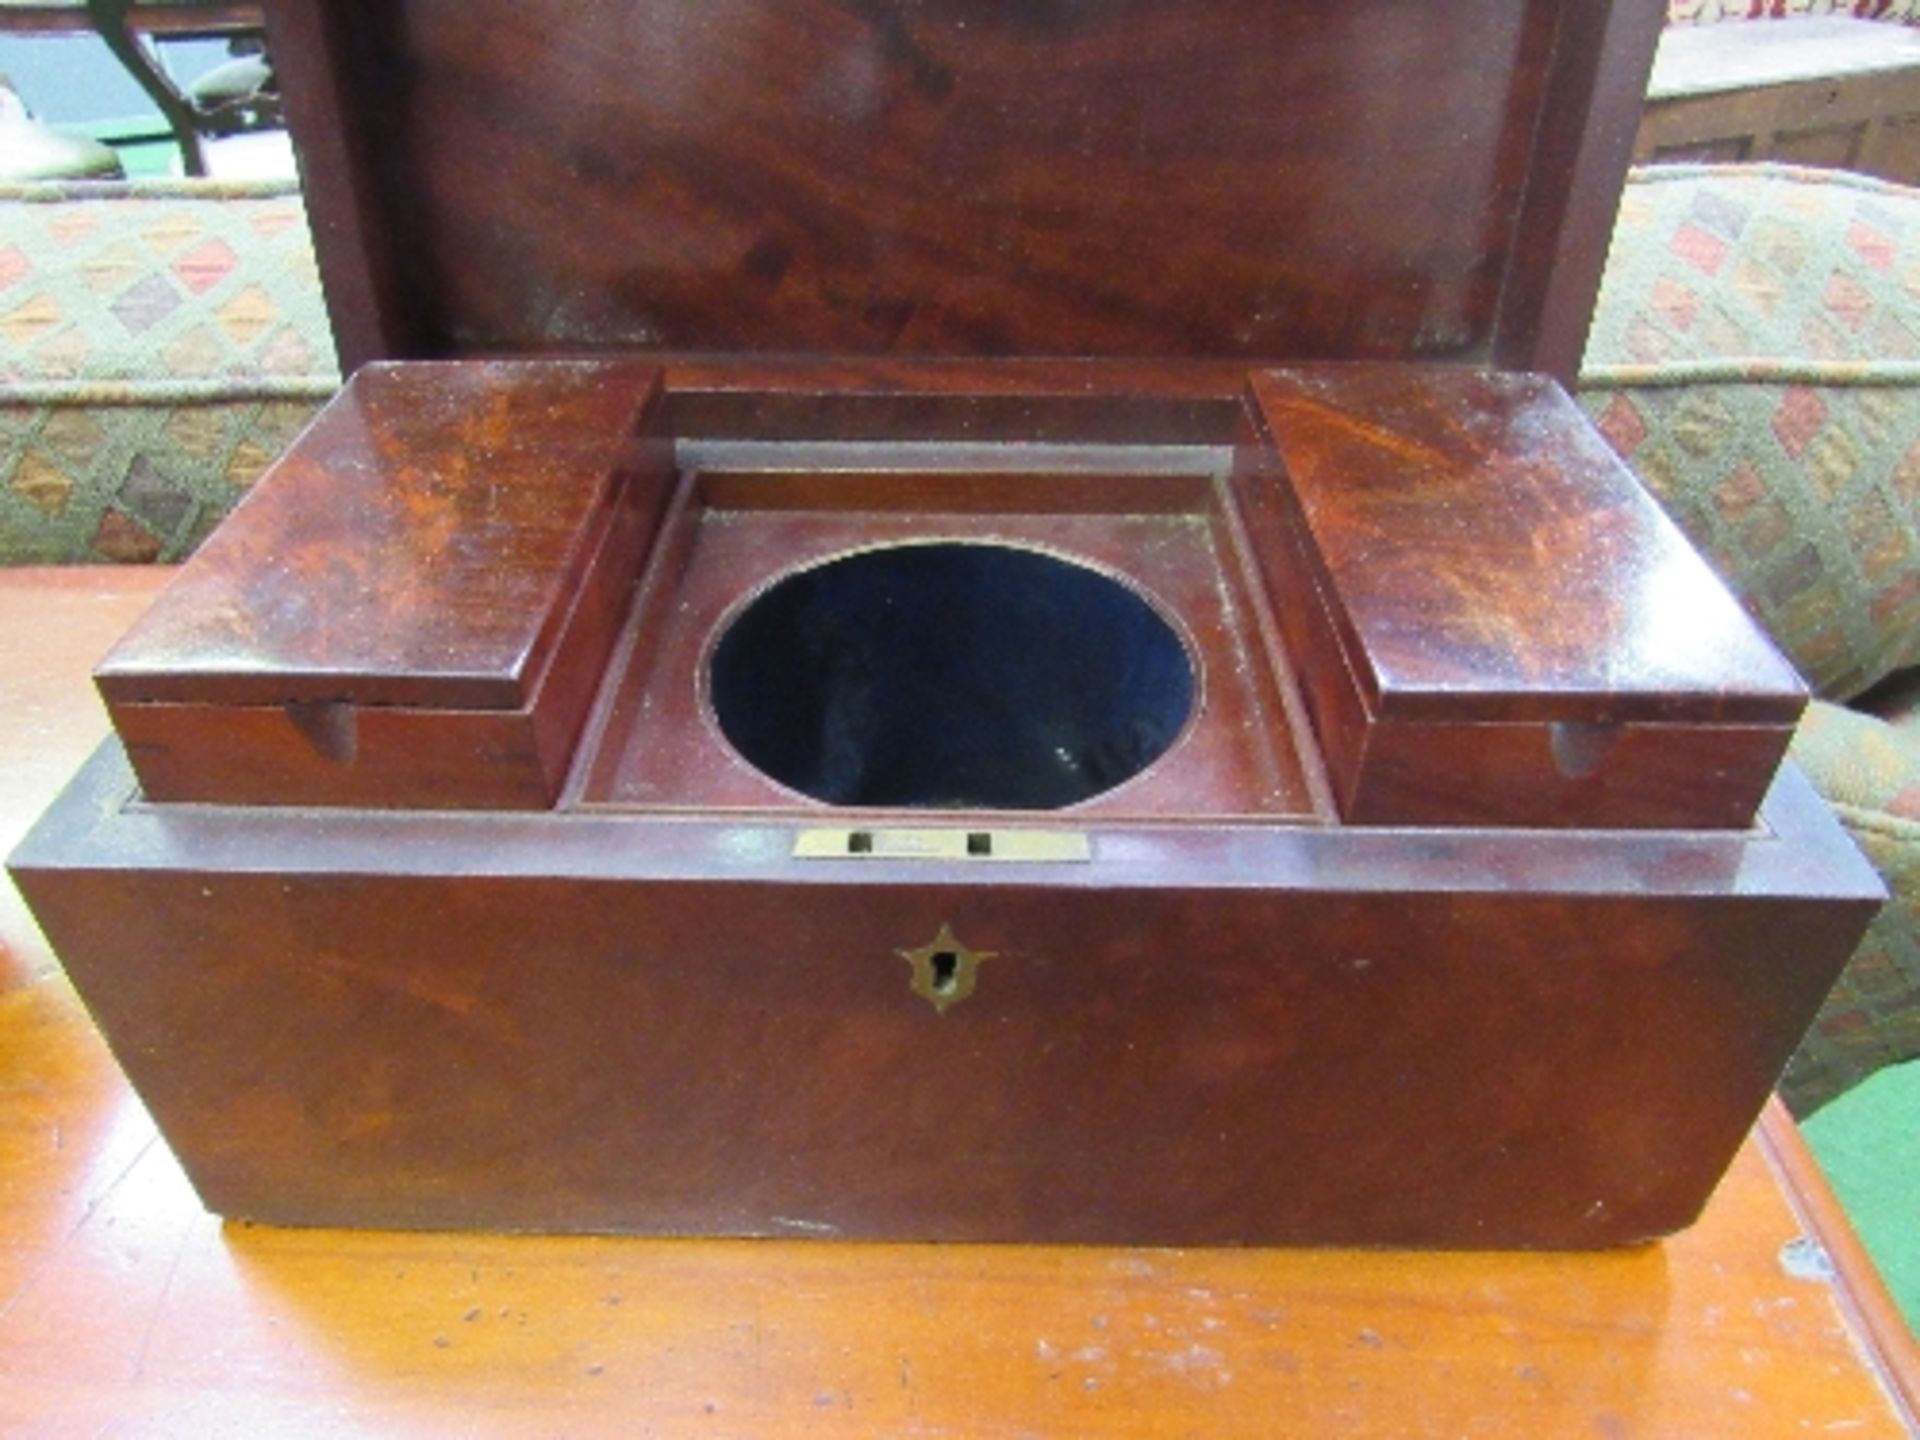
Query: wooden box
{"points": [[958, 621]]}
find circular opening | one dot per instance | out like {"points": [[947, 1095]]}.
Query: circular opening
{"points": [[951, 676]]}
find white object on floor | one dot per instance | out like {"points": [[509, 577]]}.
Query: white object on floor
{"points": [[262, 155]]}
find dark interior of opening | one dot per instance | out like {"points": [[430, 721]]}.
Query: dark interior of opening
{"points": [[951, 676]]}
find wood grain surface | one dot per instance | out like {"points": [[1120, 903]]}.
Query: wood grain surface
{"points": [[416, 608], [1491, 559], [1493, 618], [1312, 179], [417, 1018], [422, 542], [166, 18], [126, 1310]]}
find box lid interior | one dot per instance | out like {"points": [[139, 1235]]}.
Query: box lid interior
{"points": [[1300, 179]]}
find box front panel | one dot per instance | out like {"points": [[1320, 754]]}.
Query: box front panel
{"points": [[1188, 1037]]}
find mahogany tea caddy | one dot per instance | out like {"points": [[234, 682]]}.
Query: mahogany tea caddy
{"points": [[954, 620]]}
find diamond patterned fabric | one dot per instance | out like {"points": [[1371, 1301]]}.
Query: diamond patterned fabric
{"points": [[159, 344], [1869, 771], [1755, 356]]}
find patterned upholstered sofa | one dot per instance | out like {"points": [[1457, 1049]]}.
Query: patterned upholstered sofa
{"points": [[1756, 356], [158, 346]]}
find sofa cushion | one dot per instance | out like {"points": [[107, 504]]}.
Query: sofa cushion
{"points": [[159, 344], [1755, 355], [1869, 772]]}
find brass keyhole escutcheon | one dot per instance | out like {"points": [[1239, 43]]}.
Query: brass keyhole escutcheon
{"points": [[944, 970]]}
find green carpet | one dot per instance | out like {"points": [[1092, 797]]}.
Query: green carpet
{"points": [[1868, 1142]]}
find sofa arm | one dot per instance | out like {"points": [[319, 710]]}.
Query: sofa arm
{"points": [[1869, 771]]}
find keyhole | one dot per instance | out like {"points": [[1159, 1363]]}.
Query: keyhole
{"points": [[946, 969]]}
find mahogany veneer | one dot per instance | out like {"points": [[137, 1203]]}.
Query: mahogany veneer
{"points": [[1313, 179], [1502, 624], [1240, 1011], [1492, 621], [611, 776], [416, 611]]}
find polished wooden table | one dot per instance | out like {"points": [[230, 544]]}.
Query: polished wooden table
{"points": [[126, 1310]]}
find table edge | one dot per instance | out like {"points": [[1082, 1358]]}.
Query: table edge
{"points": [[1889, 1347]]}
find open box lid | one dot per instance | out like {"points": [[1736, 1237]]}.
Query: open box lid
{"points": [[1260, 179]]}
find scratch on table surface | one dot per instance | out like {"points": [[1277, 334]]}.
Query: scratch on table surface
{"points": [[93, 1206], [32, 1276], [114, 1184], [160, 1303], [1805, 1258], [1199, 1363]]}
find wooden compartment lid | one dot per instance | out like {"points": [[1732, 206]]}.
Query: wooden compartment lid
{"points": [[1494, 621], [413, 608], [1235, 179]]}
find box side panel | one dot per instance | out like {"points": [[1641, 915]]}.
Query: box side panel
{"points": [[337, 755], [519, 1042], [1281, 559], [1602, 57]]}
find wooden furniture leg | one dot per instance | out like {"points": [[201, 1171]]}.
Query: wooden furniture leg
{"points": [[112, 19]]}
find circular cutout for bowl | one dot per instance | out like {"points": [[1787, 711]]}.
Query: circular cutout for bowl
{"points": [[950, 676]]}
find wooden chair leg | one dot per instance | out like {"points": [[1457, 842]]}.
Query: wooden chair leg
{"points": [[110, 19]]}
